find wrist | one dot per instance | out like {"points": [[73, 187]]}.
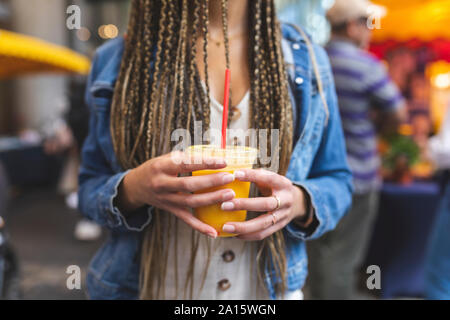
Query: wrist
{"points": [[306, 216], [127, 200], [300, 203]]}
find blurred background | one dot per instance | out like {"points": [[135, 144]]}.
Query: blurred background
{"points": [[43, 121]]}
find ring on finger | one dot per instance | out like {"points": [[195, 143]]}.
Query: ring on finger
{"points": [[274, 218], [278, 202]]}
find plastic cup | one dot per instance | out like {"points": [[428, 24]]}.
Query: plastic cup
{"points": [[236, 157]]}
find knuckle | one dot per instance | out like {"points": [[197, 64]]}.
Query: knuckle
{"points": [[156, 165], [156, 185], [209, 181], [286, 182], [186, 185], [187, 201], [237, 203], [191, 202], [268, 204], [268, 222], [241, 229], [190, 185]]}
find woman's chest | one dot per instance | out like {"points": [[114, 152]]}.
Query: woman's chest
{"points": [[216, 64]]}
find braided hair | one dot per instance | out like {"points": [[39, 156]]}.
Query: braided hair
{"points": [[159, 89]]}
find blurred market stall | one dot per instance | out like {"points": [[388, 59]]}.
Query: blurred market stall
{"points": [[24, 55], [414, 38], [425, 20], [20, 54], [414, 41]]}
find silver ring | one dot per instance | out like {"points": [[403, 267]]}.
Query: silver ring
{"points": [[274, 218], [278, 202]]}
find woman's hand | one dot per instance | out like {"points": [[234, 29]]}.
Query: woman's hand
{"points": [[157, 183], [272, 186]]}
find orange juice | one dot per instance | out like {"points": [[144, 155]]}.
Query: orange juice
{"points": [[236, 158]]}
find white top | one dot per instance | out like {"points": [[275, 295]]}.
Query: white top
{"points": [[439, 146], [237, 128], [239, 274]]}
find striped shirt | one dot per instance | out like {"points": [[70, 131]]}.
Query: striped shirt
{"points": [[362, 83]]}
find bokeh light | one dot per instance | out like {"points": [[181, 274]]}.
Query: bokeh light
{"points": [[108, 31], [83, 34]]}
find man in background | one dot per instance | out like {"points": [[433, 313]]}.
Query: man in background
{"points": [[363, 86]]}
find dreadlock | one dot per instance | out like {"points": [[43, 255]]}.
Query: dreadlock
{"points": [[159, 89]]}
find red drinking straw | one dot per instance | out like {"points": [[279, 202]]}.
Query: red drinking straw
{"points": [[226, 98]]}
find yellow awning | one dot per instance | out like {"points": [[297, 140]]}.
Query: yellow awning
{"points": [[408, 19], [20, 54]]}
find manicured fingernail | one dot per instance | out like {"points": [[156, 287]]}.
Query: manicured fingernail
{"points": [[228, 178], [228, 228], [227, 206], [228, 195], [212, 235], [239, 174]]}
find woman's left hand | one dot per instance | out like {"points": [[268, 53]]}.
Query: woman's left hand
{"points": [[291, 205]]}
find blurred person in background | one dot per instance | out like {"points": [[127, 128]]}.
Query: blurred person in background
{"points": [[363, 86], [422, 129], [66, 135], [437, 281], [402, 64], [78, 121]]}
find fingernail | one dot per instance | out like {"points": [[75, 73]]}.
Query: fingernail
{"points": [[228, 228], [212, 235], [239, 174], [227, 206], [228, 178], [228, 195]]}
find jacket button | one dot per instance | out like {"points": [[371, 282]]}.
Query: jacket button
{"points": [[296, 46], [228, 256], [299, 80], [224, 284]]}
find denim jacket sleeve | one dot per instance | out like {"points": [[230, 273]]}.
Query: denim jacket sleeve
{"points": [[98, 181], [329, 181]]}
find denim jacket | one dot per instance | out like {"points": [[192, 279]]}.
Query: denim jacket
{"points": [[318, 164]]}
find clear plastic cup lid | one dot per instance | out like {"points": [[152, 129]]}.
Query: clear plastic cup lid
{"points": [[233, 155]]}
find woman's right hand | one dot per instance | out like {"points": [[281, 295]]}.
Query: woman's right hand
{"points": [[157, 183]]}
